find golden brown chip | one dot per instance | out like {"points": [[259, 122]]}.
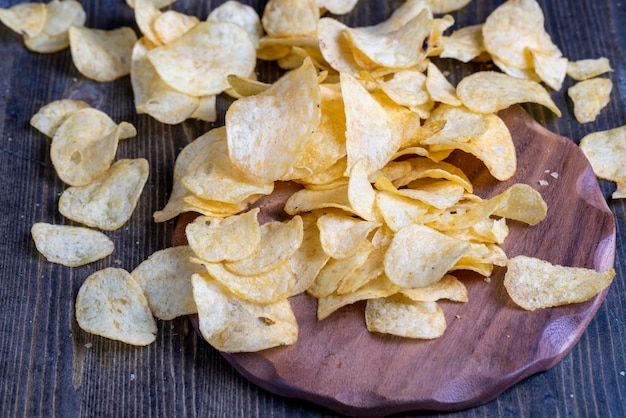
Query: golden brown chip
{"points": [[110, 200], [590, 97], [535, 284], [111, 304], [71, 246], [165, 278], [232, 325], [102, 55], [399, 315]]}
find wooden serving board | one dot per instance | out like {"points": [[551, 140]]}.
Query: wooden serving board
{"points": [[490, 344]]}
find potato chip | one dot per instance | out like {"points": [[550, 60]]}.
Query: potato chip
{"points": [[459, 125], [102, 55], [27, 19], [275, 125], [165, 278], [159, 4], [372, 139], [309, 258], [399, 315], [588, 68], [232, 325], [286, 18], [551, 68], [245, 86], [449, 287], [590, 97], [335, 47], [110, 200], [419, 256], [267, 287], [111, 304], [70, 246], [421, 168], [60, 16], [606, 152], [489, 92], [279, 241], [361, 194], [405, 87], [50, 116], [233, 238], [377, 288], [308, 200], [84, 146], [341, 235], [198, 62], [446, 6], [239, 14], [211, 175], [399, 211], [536, 284], [439, 88], [337, 7], [464, 44], [369, 271], [207, 109], [146, 13], [171, 25], [487, 230]]}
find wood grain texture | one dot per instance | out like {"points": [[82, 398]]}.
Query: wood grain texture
{"points": [[49, 367]]}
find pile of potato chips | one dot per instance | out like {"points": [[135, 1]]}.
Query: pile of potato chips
{"points": [[360, 126]]}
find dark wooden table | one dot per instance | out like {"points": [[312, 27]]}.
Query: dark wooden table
{"points": [[49, 366]]}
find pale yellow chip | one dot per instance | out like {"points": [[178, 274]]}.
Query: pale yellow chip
{"points": [[279, 241], [50, 116], [421, 168], [309, 258], [171, 25], [367, 272], [232, 325], [464, 44], [245, 86], [207, 109], [233, 238], [401, 316], [439, 88], [212, 176], [405, 87], [84, 146], [288, 18], [447, 6], [399, 211], [146, 13], [110, 303], [54, 36], [70, 246], [606, 152], [165, 277], [199, 61], [590, 97], [361, 194], [337, 7], [27, 19], [240, 14], [152, 95], [275, 125], [307, 200], [550, 67], [489, 92], [370, 135], [341, 235], [102, 55], [335, 47], [535, 284], [449, 287], [268, 287], [110, 200], [588, 68], [419, 256]]}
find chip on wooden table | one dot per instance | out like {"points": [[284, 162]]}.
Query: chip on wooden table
{"points": [[165, 277], [399, 315], [109, 201], [110, 303], [240, 14], [52, 115], [70, 246], [26, 18], [588, 68], [590, 97], [606, 152], [533, 283]]}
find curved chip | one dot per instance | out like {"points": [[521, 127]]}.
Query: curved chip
{"points": [[590, 97], [27, 18], [52, 115], [240, 14], [341, 235], [401, 316]]}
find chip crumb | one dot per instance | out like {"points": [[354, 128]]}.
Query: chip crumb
{"points": [[457, 316], [132, 376], [543, 183], [554, 174], [622, 373], [487, 279], [88, 345], [546, 171]]}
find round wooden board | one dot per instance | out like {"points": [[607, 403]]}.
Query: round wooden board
{"points": [[490, 344]]}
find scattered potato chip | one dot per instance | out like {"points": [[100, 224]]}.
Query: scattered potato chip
{"points": [[419, 256], [71, 246], [54, 36], [84, 146], [199, 61], [239, 14], [606, 152], [550, 67], [439, 88], [449, 287], [489, 92], [111, 304], [337, 7], [146, 13], [335, 47], [588, 68], [464, 44], [50, 116], [341, 236], [446, 6], [590, 97], [102, 55], [27, 19], [165, 278], [536, 284], [171, 25], [401, 316], [110, 200], [233, 325], [288, 18]]}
